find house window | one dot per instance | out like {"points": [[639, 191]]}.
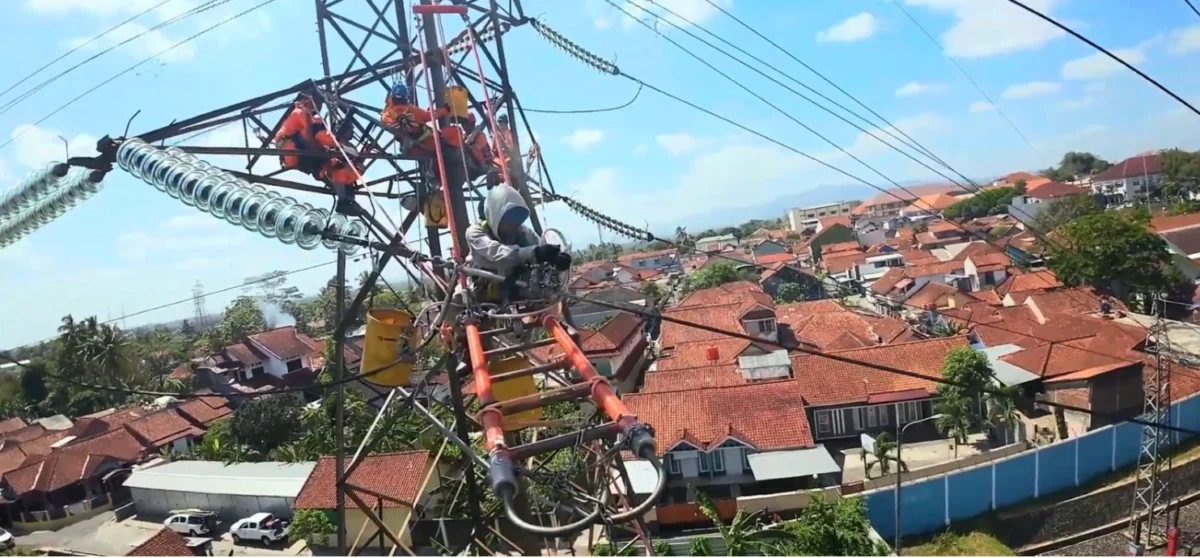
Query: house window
{"points": [[884, 412], [909, 411], [672, 464], [718, 461], [872, 421], [745, 460], [823, 422], [294, 365], [256, 371], [766, 326], [703, 459]]}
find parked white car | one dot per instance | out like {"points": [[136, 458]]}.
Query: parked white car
{"points": [[192, 523], [259, 527], [6, 540]]}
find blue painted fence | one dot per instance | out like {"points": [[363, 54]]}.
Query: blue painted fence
{"points": [[934, 503]]}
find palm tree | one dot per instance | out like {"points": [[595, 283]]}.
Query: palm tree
{"points": [[884, 455], [955, 420], [743, 533], [106, 352], [1002, 411]]}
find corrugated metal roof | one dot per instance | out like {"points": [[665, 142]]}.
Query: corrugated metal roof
{"points": [[789, 464], [282, 480], [775, 358], [642, 476], [1007, 374]]}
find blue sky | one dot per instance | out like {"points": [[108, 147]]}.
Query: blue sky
{"points": [[656, 162]]}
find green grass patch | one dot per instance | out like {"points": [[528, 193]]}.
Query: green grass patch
{"points": [[950, 543]]}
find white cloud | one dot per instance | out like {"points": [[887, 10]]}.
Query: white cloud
{"points": [[681, 143], [37, 146], [583, 139], [855, 28], [1184, 41], [980, 106], [191, 221], [1076, 104], [1099, 65], [987, 28], [1031, 89], [917, 88]]}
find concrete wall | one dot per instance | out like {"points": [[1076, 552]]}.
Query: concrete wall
{"points": [[935, 502], [159, 503]]}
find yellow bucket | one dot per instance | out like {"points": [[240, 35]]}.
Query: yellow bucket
{"points": [[381, 346], [457, 101], [435, 213], [508, 390]]}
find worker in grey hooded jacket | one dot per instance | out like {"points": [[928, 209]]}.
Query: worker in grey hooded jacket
{"points": [[501, 242]]}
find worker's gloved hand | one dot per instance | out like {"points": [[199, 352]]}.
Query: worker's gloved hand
{"points": [[562, 262], [546, 253]]}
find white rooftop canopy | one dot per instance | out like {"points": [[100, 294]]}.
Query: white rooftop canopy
{"points": [[282, 480], [788, 464]]}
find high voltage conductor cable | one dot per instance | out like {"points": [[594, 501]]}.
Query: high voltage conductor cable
{"points": [[590, 111], [604, 66], [907, 140], [84, 44], [1193, 7], [807, 67], [869, 133], [1107, 53], [775, 107], [970, 79], [136, 66], [194, 11]]}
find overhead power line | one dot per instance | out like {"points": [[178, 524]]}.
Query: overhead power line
{"points": [[84, 44], [208, 5], [1107, 53], [974, 83], [589, 111], [136, 66], [1193, 7]]}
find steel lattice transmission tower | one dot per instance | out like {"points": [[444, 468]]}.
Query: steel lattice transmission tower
{"points": [[201, 313], [1148, 523]]}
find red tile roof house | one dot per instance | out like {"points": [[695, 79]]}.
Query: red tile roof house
{"points": [[275, 352], [395, 482], [889, 293], [844, 400], [730, 441], [65, 474], [165, 543], [1132, 178]]}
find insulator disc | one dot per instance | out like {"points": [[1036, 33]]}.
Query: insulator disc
{"points": [[268, 216], [357, 230], [336, 225], [205, 188], [310, 227], [251, 206]]}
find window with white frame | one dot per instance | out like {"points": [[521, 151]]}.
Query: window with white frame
{"points": [[718, 461], [703, 459], [824, 424], [885, 412], [672, 464], [766, 326], [872, 420]]}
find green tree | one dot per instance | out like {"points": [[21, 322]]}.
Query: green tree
{"points": [[265, 423], [883, 456], [187, 330], [743, 534], [830, 527], [958, 404], [1021, 187], [242, 317], [1075, 164], [1113, 253], [313, 526], [789, 292], [1064, 210], [1002, 412], [1181, 170], [663, 548], [653, 291], [715, 275], [986, 202], [33, 383]]}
